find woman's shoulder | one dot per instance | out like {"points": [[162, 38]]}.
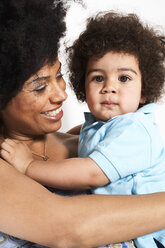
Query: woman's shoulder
{"points": [[64, 136], [64, 142]]}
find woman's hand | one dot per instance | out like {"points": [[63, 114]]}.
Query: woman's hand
{"points": [[17, 154]]}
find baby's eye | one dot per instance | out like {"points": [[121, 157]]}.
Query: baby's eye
{"points": [[124, 78], [98, 78]]}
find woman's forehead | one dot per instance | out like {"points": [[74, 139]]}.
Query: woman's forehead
{"points": [[44, 72]]}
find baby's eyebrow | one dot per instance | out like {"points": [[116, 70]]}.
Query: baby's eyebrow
{"points": [[127, 69], [119, 69], [93, 70]]}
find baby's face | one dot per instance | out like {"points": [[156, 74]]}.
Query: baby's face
{"points": [[113, 85]]}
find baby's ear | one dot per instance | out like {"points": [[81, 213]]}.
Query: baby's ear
{"points": [[142, 100]]}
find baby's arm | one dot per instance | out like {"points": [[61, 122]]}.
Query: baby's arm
{"points": [[17, 154], [73, 173]]}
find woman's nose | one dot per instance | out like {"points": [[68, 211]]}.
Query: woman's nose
{"points": [[58, 93]]}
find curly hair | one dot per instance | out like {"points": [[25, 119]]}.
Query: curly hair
{"points": [[29, 37], [119, 33]]}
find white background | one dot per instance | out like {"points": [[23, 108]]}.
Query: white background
{"points": [[151, 12]]}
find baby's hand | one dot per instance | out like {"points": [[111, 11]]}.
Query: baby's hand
{"points": [[17, 154]]}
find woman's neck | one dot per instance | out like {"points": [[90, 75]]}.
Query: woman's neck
{"points": [[12, 134], [36, 143]]}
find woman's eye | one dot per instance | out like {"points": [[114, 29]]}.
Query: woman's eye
{"points": [[124, 78], [40, 88], [98, 78], [59, 75]]}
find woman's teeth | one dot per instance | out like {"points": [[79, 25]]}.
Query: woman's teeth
{"points": [[53, 113]]}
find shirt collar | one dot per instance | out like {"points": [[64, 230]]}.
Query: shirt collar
{"points": [[148, 108], [89, 118]]}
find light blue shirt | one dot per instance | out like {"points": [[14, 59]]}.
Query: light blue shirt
{"points": [[129, 150]]}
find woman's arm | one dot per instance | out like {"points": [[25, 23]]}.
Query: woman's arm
{"points": [[30, 212]]}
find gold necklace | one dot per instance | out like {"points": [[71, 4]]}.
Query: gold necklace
{"points": [[44, 157]]}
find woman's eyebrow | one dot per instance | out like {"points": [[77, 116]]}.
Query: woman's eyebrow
{"points": [[42, 78], [59, 68], [38, 79]]}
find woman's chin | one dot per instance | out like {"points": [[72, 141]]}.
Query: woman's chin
{"points": [[54, 128]]}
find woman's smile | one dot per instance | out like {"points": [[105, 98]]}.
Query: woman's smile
{"points": [[55, 114]]}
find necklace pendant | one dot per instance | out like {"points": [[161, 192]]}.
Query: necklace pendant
{"points": [[45, 158]]}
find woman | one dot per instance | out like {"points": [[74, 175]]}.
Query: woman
{"points": [[32, 91]]}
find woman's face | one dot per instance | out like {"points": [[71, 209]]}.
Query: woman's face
{"points": [[37, 109]]}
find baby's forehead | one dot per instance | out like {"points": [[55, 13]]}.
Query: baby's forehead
{"points": [[114, 51], [112, 56]]}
